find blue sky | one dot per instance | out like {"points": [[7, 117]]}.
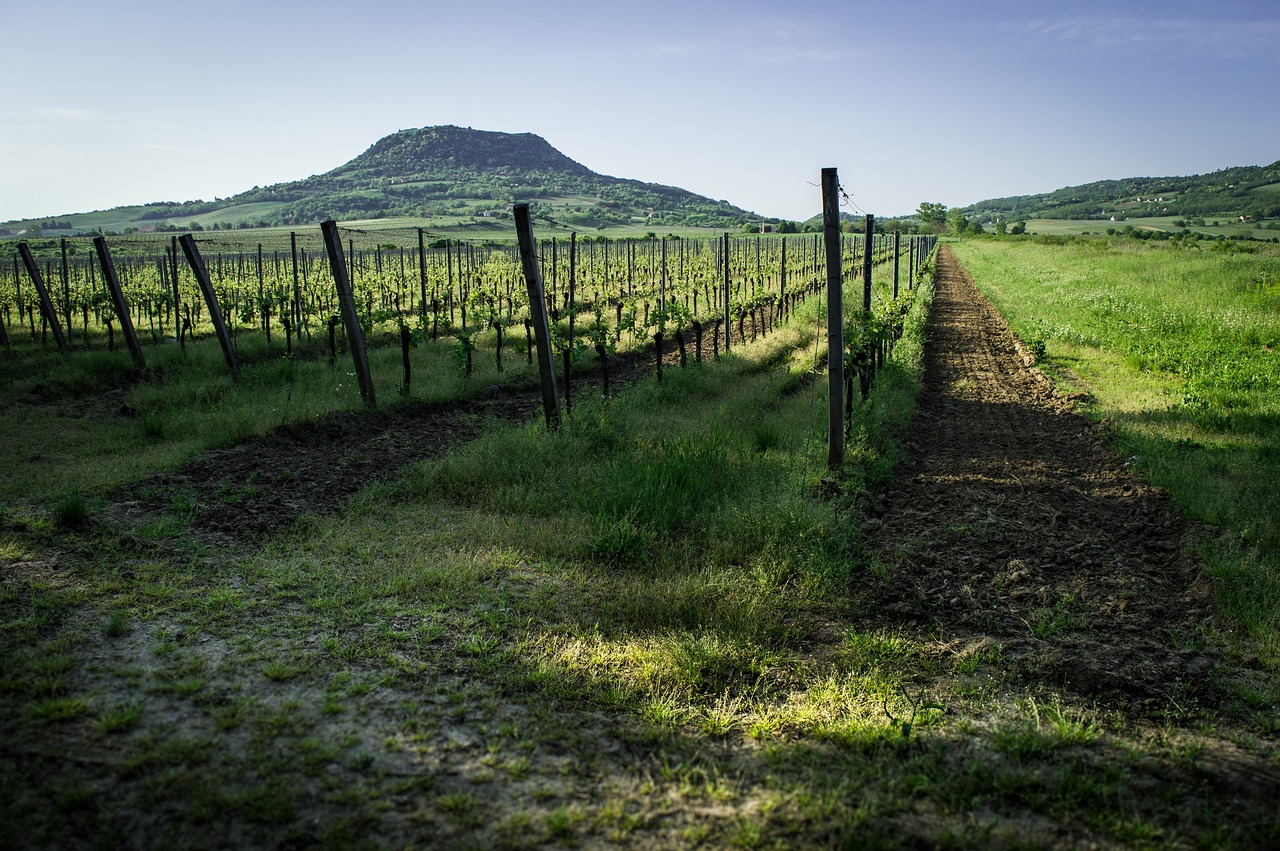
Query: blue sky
{"points": [[107, 104]]}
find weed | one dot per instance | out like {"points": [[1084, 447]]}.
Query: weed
{"points": [[58, 709], [117, 624], [120, 719], [71, 511]]}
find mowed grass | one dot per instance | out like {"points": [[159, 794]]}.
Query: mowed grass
{"points": [[1178, 349]]}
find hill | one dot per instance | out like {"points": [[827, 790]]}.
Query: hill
{"points": [[446, 172], [1249, 191]]}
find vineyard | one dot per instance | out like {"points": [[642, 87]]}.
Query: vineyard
{"points": [[621, 295], [452, 314], [298, 551]]}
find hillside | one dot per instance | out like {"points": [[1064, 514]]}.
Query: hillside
{"points": [[1250, 191], [446, 172]]}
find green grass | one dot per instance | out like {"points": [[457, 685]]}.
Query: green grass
{"points": [[1176, 347], [1223, 225], [640, 629]]}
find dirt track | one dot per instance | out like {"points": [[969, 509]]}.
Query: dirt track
{"points": [[1012, 521]]}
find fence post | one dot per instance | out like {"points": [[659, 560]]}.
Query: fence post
{"points": [[869, 235], [897, 253], [46, 304], [835, 317], [196, 262], [538, 314], [117, 299], [422, 277], [66, 287], [911, 264], [728, 320], [347, 307]]}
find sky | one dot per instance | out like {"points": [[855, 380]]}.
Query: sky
{"points": [[107, 104]]}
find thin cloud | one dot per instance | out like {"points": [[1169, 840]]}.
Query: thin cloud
{"points": [[795, 55], [1191, 36], [66, 113], [782, 27], [679, 49]]}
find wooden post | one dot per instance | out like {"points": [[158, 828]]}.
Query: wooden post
{"points": [[572, 306], [347, 307], [897, 253], [296, 310], [66, 288], [835, 317], [422, 277], [911, 264], [117, 299], [46, 304], [538, 313], [196, 262], [728, 320], [869, 235], [177, 297]]}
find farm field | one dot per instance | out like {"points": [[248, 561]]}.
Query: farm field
{"points": [[663, 625], [1177, 352], [1222, 226]]}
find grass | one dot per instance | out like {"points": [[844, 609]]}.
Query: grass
{"points": [[568, 639], [1175, 347]]}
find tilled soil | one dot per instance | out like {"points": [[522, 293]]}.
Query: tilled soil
{"points": [[237, 496], [1013, 523]]}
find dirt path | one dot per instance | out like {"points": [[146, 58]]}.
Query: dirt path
{"points": [[1012, 522]]}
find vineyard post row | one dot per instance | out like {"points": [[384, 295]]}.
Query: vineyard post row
{"points": [[701, 282]]}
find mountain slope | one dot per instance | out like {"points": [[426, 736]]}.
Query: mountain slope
{"points": [[1251, 191], [443, 171]]}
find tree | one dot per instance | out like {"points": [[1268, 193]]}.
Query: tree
{"points": [[1002, 227], [959, 222], [932, 214]]}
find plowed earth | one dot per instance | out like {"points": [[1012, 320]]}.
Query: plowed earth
{"points": [[1011, 520]]}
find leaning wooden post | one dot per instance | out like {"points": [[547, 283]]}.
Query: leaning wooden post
{"points": [[538, 314], [196, 262], [835, 317], [117, 299], [177, 297], [347, 307], [46, 303], [66, 286]]}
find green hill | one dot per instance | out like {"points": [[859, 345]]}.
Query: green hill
{"points": [[446, 174], [1249, 191]]}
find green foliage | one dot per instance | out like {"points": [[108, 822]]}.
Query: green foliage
{"points": [[931, 213], [1247, 190]]}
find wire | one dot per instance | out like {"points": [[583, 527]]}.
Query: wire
{"points": [[849, 201]]}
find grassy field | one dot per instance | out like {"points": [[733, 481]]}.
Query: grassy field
{"points": [[1178, 350], [1221, 226], [641, 630]]}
